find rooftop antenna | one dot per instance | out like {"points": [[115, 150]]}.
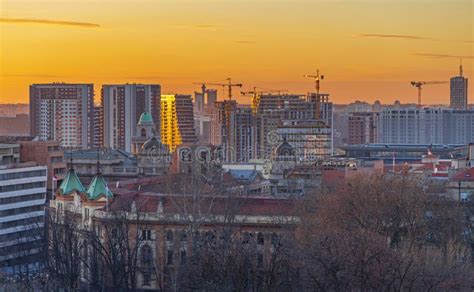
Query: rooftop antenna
{"points": [[460, 67]]}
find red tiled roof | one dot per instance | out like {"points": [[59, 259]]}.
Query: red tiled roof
{"points": [[207, 204], [439, 174], [467, 175]]}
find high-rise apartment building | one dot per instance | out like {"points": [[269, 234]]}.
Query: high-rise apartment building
{"points": [[122, 106], [244, 131], [177, 121], [363, 128], [98, 131], [199, 102], [233, 129], [185, 113], [170, 134], [63, 112], [275, 110], [22, 202], [211, 98], [426, 126], [458, 90]]}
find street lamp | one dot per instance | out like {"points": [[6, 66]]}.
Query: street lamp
{"points": [[459, 188]]}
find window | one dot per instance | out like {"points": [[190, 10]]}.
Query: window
{"points": [[169, 235], [147, 256], [183, 236], [86, 214], [169, 257], [146, 234], [260, 239], [183, 257]]}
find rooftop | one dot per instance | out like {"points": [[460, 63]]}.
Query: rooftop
{"points": [[467, 175]]}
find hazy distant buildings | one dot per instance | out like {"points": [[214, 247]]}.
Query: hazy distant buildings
{"points": [[62, 112], [426, 126], [122, 106], [458, 89], [363, 127], [18, 125]]}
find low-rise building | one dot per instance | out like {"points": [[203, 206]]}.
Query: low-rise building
{"points": [[161, 226], [461, 186], [46, 153]]}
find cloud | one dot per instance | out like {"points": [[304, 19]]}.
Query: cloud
{"points": [[246, 42], [443, 56], [31, 76], [48, 22], [393, 36]]}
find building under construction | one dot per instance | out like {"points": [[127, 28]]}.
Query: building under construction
{"points": [[275, 111]]}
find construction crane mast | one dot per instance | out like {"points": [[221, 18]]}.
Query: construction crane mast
{"points": [[317, 79], [420, 84]]}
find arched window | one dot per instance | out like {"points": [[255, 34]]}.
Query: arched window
{"points": [[143, 132], [147, 256]]}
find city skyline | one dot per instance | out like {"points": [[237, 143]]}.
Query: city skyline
{"points": [[367, 50]]}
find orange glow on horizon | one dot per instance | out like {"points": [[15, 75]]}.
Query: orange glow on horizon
{"points": [[367, 50]]}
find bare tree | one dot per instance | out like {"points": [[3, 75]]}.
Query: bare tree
{"points": [[379, 233]]}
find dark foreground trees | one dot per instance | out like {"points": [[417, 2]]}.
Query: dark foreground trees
{"points": [[384, 233]]}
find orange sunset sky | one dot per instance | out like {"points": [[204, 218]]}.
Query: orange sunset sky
{"points": [[367, 49]]}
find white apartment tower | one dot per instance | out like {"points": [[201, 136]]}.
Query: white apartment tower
{"points": [[122, 106], [62, 112]]}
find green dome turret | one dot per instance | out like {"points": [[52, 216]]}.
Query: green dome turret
{"points": [[145, 118], [98, 187], [71, 183]]}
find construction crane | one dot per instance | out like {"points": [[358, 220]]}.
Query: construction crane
{"points": [[420, 84], [317, 79], [229, 86], [256, 95]]}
